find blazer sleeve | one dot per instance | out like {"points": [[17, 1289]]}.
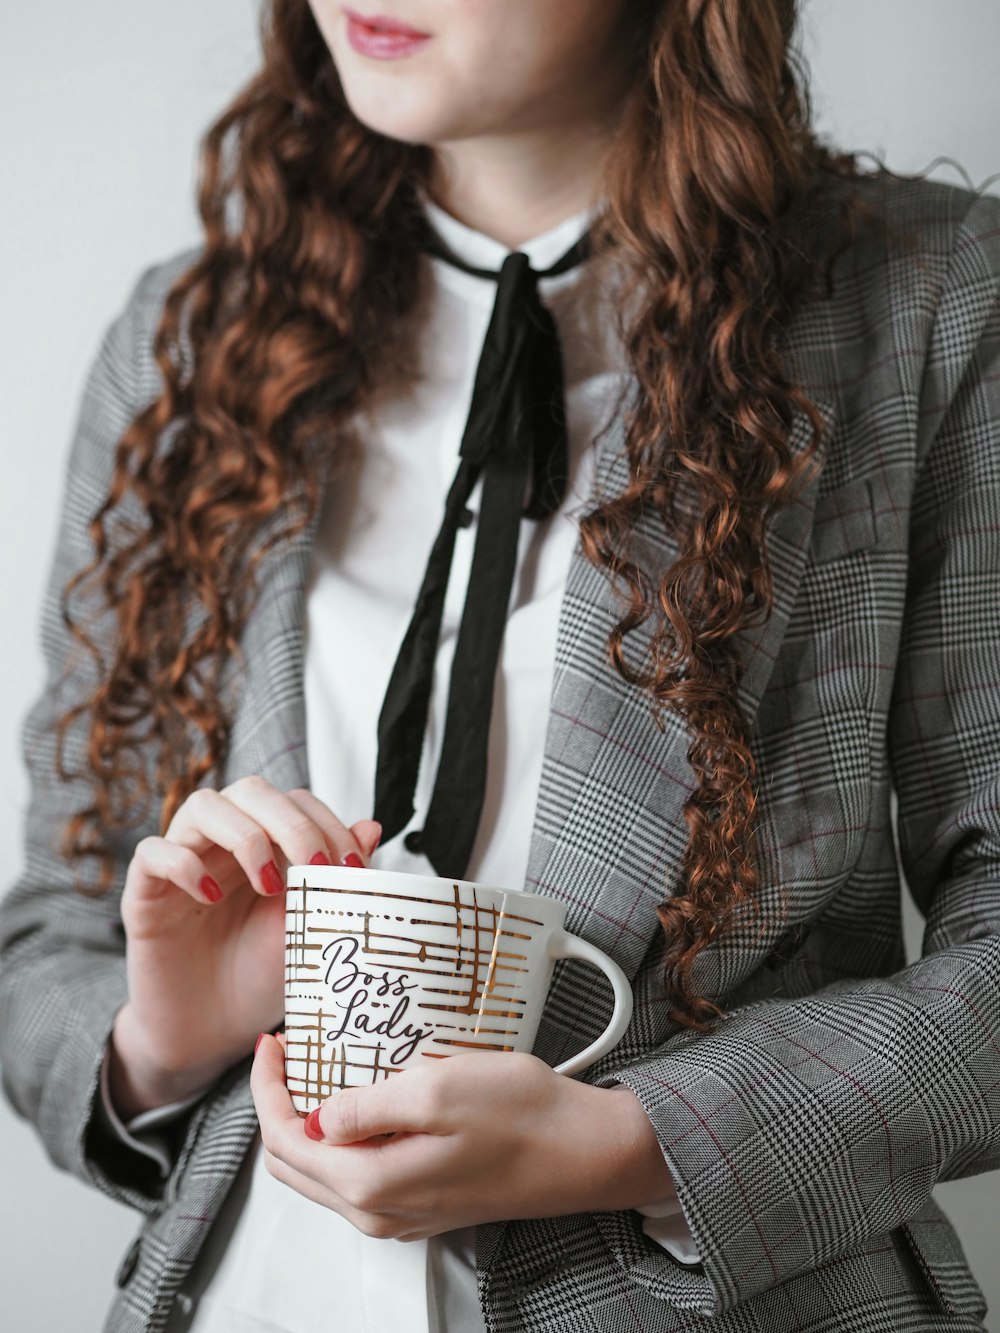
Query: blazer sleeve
{"points": [[62, 953], [800, 1128]]}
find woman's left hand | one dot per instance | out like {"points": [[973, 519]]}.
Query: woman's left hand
{"points": [[475, 1138]]}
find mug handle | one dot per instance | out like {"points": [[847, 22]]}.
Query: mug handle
{"points": [[564, 945]]}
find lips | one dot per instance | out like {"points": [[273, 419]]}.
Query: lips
{"points": [[382, 37], [379, 23]]}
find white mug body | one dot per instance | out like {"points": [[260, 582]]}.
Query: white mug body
{"points": [[384, 970]]}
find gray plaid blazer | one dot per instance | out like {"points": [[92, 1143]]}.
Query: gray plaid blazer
{"points": [[806, 1132]]}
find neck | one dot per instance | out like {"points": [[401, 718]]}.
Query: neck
{"points": [[514, 189]]}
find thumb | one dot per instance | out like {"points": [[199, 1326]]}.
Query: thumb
{"points": [[355, 1115]]}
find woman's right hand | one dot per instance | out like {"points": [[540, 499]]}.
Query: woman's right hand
{"points": [[204, 915]]}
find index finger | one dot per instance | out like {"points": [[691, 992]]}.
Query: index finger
{"points": [[361, 838], [279, 1120]]}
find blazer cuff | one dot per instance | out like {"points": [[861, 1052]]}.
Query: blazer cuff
{"points": [[665, 1223]]}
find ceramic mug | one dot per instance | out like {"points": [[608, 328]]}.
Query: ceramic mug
{"points": [[384, 970]]}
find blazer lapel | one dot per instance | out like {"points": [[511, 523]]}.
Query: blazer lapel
{"points": [[609, 832], [269, 732]]}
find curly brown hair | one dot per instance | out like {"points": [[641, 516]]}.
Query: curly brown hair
{"points": [[269, 342]]}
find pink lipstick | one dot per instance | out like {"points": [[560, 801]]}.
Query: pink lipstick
{"points": [[383, 38]]}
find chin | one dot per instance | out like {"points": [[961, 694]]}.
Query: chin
{"points": [[404, 114], [406, 129]]}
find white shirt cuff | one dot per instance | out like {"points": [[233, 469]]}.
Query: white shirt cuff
{"points": [[150, 1144], [665, 1223]]}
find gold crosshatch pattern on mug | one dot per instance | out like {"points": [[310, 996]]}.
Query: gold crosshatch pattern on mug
{"points": [[480, 971]]}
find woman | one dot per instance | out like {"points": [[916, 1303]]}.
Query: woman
{"points": [[778, 613]]}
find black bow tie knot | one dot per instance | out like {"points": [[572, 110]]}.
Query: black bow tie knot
{"points": [[517, 401]]}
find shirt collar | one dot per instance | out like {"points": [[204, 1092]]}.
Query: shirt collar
{"points": [[483, 251]]}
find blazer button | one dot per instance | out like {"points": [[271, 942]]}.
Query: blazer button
{"points": [[128, 1265]]}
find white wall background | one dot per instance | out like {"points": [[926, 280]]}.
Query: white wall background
{"points": [[101, 107]]}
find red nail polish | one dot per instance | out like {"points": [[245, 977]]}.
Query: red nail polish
{"points": [[210, 889], [258, 1042], [353, 860], [312, 1125], [320, 859], [271, 879]]}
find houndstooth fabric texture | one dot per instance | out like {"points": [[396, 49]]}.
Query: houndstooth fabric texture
{"points": [[806, 1132]]}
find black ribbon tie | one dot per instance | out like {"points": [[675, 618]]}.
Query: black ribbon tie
{"points": [[515, 438]]}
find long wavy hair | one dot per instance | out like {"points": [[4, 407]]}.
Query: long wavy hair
{"points": [[272, 338]]}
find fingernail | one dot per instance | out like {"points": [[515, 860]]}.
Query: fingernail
{"points": [[258, 1042], [353, 860], [312, 1125], [210, 889], [320, 859], [271, 879]]}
